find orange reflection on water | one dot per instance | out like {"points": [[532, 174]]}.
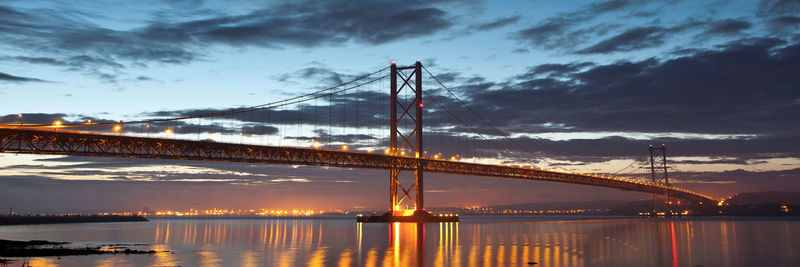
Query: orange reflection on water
{"points": [[208, 256], [45, 262], [289, 242], [448, 251], [286, 242], [372, 258], [407, 245], [249, 259], [674, 246], [164, 258], [346, 258], [103, 262], [725, 255], [318, 257], [280, 242]]}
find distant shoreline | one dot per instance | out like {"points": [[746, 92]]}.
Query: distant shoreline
{"points": [[480, 217]]}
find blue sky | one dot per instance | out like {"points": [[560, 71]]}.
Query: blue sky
{"points": [[585, 83]]}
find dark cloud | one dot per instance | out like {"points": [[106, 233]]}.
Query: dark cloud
{"points": [[356, 109], [716, 160], [785, 23], [571, 31], [316, 74], [568, 30], [17, 79], [178, 127], [561, 33], [64, 40], [498, 23], [744, 87], [554, 70], [581, 151], [33, 118], [74, 44], [629, 40], [608, 6], [260, 130], [778, 7], [447, 77], [728, 27], [597, 150], [38, 60], [80, 62], [354, 140], [310, 23], [550, 33], [645, 14]]}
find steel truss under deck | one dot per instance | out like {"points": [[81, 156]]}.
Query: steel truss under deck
{"points": [[73, 143]]}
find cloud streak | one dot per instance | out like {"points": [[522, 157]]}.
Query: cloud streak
{"points": [[17, 79]]}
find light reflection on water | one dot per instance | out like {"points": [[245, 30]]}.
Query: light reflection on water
{"points": [[549, 241]]}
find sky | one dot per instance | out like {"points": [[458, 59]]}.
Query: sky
{"points": [[584, 85]]}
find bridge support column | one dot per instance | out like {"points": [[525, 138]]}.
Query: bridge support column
{"points": [[657, 167], [405, 141]]}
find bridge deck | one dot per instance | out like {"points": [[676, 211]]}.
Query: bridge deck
{"points": [[75, 143]]}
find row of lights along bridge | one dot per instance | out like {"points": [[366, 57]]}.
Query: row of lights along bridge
{"points": [[317, 145]]}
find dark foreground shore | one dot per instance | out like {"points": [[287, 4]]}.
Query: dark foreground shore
{"points": [[42, 248], [17, 220]]}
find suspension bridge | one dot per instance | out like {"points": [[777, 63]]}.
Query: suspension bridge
{"points": [[339, 126]]}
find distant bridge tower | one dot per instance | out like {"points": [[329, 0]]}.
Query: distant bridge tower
{"points": [[659, 166]]}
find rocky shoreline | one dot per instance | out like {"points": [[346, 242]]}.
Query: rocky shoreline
{"points": [[42, 248]]}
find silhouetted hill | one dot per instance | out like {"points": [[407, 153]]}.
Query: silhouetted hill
{"points": [[789, 198], [771, 203]]}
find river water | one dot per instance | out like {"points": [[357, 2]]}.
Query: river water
{"points": [[476, 241]]}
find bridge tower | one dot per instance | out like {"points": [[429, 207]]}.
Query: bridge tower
{"points": [[403, 138], [658, 165], [406, 139]]}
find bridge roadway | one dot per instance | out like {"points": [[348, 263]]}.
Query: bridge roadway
{"points": [[76, 143]]}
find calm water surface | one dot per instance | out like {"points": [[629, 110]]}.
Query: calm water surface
{"points": [[476, 241]]}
